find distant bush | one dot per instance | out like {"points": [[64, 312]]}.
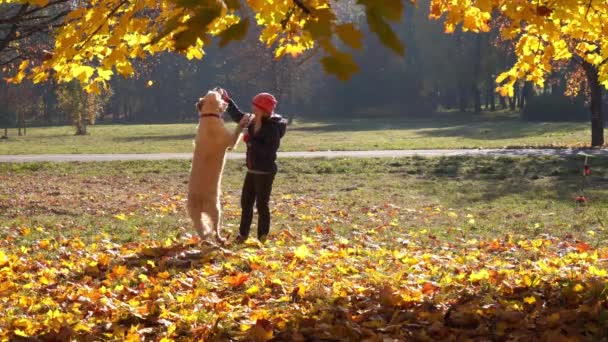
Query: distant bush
{"points": [[555, 108]]}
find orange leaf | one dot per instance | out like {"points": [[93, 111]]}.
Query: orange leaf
{"points": [[262, 331], [236, 280], [429, 288], [543, 11], [582, 247]]}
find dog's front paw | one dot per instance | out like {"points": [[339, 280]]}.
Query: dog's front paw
{"points": [[221, 241]]}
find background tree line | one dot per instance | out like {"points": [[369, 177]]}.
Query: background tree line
{"points": [[439, 72]]}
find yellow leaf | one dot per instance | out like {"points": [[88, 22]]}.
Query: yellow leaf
{"points": [[350, 35], [80, 327], [302, 252], [21, 333], [3, 258], [452, 214], [105, 74], [44, 244], [262, 331], [164, 275], [594, 271], [530, 300], [119, 270], [578, 288], [121, 217], [340, 64], [25, 231], [124, 68], [481, 275], [194, 52], [133, 335], [253, 290], [43, 280]]}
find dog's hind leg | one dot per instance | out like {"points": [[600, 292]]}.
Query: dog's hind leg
{"points": [[215, 214], [198, 223], [196, 215]]}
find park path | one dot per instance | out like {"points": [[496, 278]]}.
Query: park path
{"points": [[317, 154]]}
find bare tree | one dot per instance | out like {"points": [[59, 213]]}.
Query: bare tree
{"points": [[24, 27]]}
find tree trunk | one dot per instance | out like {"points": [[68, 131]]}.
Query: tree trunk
{"points": [[512, 103], [462, 98], [503, 102], [20, 123], [491, 93], [5, 131], [597, 121], [477, 99], [526, 93], [477, 74], [513, 100]]}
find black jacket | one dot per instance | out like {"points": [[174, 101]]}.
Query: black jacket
{"points": [[263, 145]]}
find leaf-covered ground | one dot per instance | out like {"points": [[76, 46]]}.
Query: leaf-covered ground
{"points": [[377, 250]]}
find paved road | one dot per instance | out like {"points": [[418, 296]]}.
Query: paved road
{"points": [[319, 154]]}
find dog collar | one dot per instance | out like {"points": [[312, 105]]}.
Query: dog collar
{"points": [[210, 115]]}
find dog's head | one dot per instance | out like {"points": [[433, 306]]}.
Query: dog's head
{"points": [[211, 103]]}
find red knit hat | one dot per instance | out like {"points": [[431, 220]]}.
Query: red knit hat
{"points": [[265, 102]]}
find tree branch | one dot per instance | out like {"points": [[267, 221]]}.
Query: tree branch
{"points": [[13, 30], [302, 6], [112, 12]]}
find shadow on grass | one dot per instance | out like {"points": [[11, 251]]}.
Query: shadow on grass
{"points": [[478, 179], [547, 179], [378, 124], [501, 130], [444, 125]]}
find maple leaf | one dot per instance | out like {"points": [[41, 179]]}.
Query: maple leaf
{"points": [[252, 290], [543, 11], [121, 217], [3, 258], [302, 252], [262, 331], [236, 280]]}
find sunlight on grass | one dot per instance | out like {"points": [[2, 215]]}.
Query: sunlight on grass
{"points": [[439, 131]]}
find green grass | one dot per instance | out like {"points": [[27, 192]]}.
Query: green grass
{"points": [[488, 197], [440, 131]]}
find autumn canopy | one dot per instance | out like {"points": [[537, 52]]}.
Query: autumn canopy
{"points": [[101, 38]]}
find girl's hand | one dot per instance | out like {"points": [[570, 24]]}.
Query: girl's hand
{"points": [[245, 120]]}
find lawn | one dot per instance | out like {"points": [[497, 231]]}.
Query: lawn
{"points": [[441, 131], [377, 249]]}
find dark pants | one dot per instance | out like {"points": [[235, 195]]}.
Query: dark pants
{"points": [[256, 190]]}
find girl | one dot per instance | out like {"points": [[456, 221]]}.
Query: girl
{"points": [[263, 132]]}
